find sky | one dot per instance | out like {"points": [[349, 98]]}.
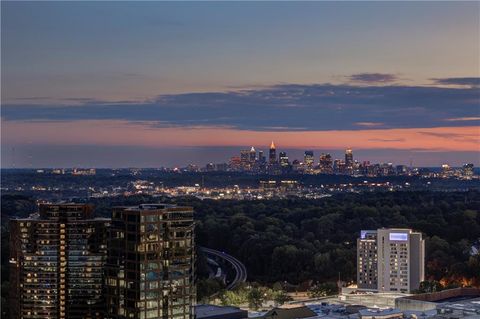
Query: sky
{"points": [[150, 84]]}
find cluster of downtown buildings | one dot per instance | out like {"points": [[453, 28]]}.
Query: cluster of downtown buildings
{"points": [[272, 163], [251, 161], [278, 163]]}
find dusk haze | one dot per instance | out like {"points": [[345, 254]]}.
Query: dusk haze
{"points": [[192, 82]]}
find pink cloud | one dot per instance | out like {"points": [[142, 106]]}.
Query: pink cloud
{"points": [[102, 132]]}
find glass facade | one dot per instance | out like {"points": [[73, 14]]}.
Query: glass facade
{"points": [[149, 271]]}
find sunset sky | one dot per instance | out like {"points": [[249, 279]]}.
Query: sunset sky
{"points": [[150, 84]]}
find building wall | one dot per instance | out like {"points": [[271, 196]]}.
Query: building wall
{"points": [[367, 260], [417, 260]]}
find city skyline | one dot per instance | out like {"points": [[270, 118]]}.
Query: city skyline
{"points": [[182, 157], [165, 84]]}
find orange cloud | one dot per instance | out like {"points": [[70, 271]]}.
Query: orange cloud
{"points": [[101, 132]]}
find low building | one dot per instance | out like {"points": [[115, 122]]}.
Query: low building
{"points": [[380, 314], [290, 312], [440, 300], [219, 312]]}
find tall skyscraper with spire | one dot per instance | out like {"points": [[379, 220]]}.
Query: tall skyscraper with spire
{"points": [[252, 156], [349, 158], [272, 158]]}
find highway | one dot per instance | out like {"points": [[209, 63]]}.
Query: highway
{"points": [[240, 270]]}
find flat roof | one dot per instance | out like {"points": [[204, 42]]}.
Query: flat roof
{"points": [[469, 305], [379, 312], [202, 311], [151, 206]]}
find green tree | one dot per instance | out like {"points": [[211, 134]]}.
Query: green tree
{"points": [[428, 286], [235, 298], [256, 296], [280, 297], [323, 290], [208, 287]]}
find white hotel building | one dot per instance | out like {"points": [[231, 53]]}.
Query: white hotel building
{"points": [[390, 260]]}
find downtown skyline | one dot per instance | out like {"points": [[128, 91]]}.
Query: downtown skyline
{"points": [[164, 84]]}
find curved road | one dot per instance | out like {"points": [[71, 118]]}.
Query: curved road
{"points": [[240, 270]]}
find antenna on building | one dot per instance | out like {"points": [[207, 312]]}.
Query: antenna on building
{"points": [[13, 157]]}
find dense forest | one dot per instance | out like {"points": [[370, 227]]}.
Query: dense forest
{"points": [[297, 240]]}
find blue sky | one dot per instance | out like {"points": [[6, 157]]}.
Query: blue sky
{"points": [[259, 67]]}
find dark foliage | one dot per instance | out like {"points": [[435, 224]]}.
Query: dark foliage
{"points": [[296, 240]]}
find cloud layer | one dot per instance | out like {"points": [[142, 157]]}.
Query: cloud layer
{"points": [[373, 78], [472, 82], [287, 107]]}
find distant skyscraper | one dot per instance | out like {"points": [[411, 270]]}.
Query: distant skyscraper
{"points": [[326, 164], [283, 159], [467, 171], [57, 261], [272, 158], [349, 159], [296, 165], [235, 163], [339, 167], [252, 156], [245, 159], [308, 159], [149, 271], [401, 169], [395, 256], [261, 157], [447, 171]]}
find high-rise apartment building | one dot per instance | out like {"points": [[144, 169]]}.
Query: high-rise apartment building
{"points": [[390, 259], [57, 260], [149, 271]]}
